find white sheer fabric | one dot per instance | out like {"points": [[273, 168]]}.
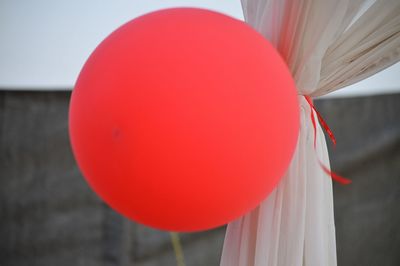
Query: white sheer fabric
{"points": [[327, 44]]}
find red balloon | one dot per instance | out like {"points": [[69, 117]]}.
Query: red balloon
{"points": [[184, 119]]}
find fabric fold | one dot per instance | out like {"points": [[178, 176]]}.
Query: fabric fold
{"points": [[326, 45]]}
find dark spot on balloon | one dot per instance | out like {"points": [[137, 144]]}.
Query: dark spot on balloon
{"points": [[116, 134]]}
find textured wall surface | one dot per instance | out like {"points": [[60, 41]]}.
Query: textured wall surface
{"points": [[367, 212], [49, 216]]}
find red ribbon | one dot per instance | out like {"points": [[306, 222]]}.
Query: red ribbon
{"points": [[333, 175]]}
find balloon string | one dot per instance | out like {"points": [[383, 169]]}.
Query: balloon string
{"points": [[333, 175], [176, 244]]}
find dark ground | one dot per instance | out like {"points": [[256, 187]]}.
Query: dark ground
{"points": [[49, 216]]}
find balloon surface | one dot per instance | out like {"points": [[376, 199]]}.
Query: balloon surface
{"points": [[184, 119]]}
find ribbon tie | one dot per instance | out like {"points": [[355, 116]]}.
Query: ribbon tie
{"points": [[334, 176]]}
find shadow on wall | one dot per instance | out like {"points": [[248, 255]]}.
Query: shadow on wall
{"points": [[49, 216]]}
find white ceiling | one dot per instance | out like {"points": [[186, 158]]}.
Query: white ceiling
{"points": [[44, 43]]}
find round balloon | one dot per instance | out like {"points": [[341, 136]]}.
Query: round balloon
{"points": [[184, 119]]}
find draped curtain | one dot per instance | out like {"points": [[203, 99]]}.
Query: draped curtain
{"points": [[327, 44]]}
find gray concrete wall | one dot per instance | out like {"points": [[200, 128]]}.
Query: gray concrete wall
{"points": [[367, 212], [49, 216]]}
